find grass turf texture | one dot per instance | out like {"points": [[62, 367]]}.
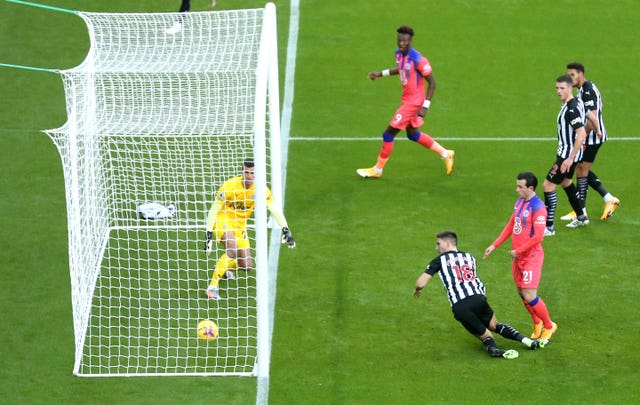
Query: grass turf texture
{"points": [[347, 329]]}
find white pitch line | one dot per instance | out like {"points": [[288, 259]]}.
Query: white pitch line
{"points": [[475, 139]]}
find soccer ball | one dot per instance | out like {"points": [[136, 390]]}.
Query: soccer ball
{"points": [[207, 330]]}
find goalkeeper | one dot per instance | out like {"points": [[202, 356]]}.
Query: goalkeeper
{"points": [[227, 221]]}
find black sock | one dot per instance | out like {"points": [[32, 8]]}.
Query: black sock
{"points": [[551, 201], [595, 184], [583, 186], [489, 344], [572, 194], [508, 332]]}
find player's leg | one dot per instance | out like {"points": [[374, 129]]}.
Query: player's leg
{"points": [[177, 26], [509, 332], [582, 182], [466, 312], [226, 263], [522, 271], [550, 197], [414, 134], [537, 304], [611, 203], [388, 137], [245, 262], [574, 199]]}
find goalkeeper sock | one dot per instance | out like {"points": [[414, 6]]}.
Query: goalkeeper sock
{"points": [[224, 263]]}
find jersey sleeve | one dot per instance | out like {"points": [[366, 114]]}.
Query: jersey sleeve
{"points": [[269, 197], [589, 97], [424, 67], [574, 116], [506, 232], [433, 267]]}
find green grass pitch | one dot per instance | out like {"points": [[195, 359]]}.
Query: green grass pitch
{"points": [[347, 329]]}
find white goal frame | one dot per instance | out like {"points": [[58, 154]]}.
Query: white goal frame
{"points": [[91, 210]]}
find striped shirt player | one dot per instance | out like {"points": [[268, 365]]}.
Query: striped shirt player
{"points": [[570, 117], [457, 270], [413, 69], [571, 136], [526, 227], [590, 96], [466, 294]]}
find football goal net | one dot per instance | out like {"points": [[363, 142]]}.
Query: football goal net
{"points": [[163, 110]]}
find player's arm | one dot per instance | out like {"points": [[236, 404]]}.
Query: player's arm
{"points": [[211, 222], [539, 226], [276, 213], [421, 282], [590, 101], [592, 123], [386, 72], [431, 88], [504, 235], [581, 135]]}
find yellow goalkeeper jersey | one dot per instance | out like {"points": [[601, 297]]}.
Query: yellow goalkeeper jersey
{"points": [[237, 202]]}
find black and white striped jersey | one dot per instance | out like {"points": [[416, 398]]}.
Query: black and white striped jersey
{"points": [[570, 118], [457, 270], [592, 100]]}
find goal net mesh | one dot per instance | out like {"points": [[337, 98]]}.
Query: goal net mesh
{"points": [[162, 118]]}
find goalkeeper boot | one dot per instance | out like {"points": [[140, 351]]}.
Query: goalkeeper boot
{"points": [[373, 172], [609, 208], [569, 217], [212, 293], [448, 161]]}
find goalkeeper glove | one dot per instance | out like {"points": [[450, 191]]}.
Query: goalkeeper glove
{"points": [[287, 238], [208, 243]]}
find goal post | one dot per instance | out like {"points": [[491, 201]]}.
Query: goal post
{"points": [[166, 117]]}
